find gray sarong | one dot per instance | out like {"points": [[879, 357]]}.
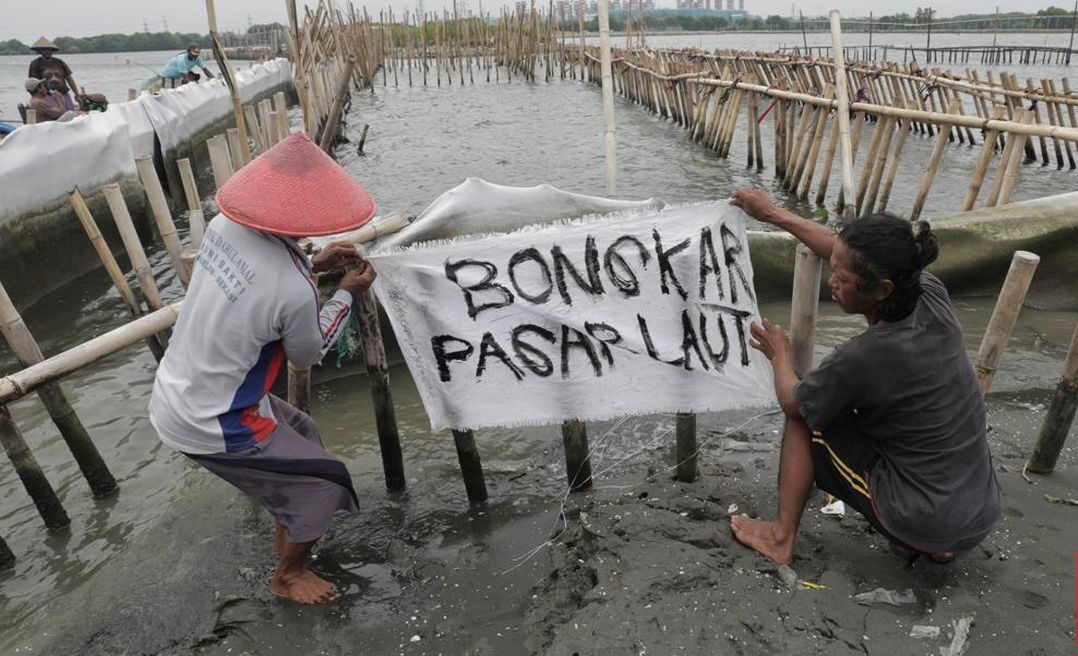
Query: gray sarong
{"points": [[290, 474]]}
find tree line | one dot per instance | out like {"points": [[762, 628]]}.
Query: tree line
{"points": [[1052, 18], [138, 42]]}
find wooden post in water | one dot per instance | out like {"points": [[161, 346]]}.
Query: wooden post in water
{"points": [[329, 129], [220, 160], [471, 467], [1000, 326], [235, 151], [987, 148], [190, 186], [378, 373], [1057, 423], [112, 268], [161, 214], [33, 479], [299, 387], [933, 165], [122, 218], [196, 221], [26, 349], [255, 132]]}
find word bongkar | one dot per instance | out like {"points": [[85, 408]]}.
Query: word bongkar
{"points": [[612, 294]]}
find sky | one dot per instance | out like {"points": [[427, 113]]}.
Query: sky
{"points": [[82, 18]]}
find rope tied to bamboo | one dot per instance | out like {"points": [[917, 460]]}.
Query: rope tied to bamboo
{"points": [[770, 106]]}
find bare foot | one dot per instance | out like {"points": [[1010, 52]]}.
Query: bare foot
{"points": [[304, 587], [763, 537]]}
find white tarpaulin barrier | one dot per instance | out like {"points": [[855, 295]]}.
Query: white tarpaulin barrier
{"points": [[626, 315], [41, 164]]}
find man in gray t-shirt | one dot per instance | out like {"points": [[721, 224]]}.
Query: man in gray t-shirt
{"points": [[892, 422], [905, 392]]}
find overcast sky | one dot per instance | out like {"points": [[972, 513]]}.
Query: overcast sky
{"points": [[82, 18]]}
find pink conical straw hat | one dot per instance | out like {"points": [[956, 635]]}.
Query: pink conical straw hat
{"points": [[295, 189]]}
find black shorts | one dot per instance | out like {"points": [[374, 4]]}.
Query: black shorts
{"points": [[842, 461]]}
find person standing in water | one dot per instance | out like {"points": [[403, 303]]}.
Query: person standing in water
{"points": [[892, 421], [251, 306]]}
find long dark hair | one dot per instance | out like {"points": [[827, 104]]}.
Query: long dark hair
{"points": [[885, 247]]}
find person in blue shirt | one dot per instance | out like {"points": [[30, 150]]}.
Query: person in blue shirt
{"points": [[181, 67]]}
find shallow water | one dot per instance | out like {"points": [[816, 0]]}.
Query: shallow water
{"points": [[423, 141]]}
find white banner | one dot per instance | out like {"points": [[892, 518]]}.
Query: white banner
{"points": [[595, 320]]}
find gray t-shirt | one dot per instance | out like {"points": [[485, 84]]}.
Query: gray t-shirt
{"points": [[910, 388]]}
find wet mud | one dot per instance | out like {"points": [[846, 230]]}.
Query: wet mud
{"points": [[641, 565]]}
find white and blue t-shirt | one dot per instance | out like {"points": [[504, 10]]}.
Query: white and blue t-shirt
{"points": [[251, 306]]}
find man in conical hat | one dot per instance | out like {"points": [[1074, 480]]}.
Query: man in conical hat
{"points": [[251, 306], [48, 69]]}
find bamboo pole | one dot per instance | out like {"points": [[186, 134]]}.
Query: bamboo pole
{"points": [[987, 149], [843, 103], [220, 160], [78, 441], [137, 256], [686, 449], [1004, 316], [256, 132], [1004, 161], [933, 166], [804, 307], [280, 104], [577, 461], [226, 73], [1050, 87], [190, 186], [378, 374], [1060, 417], [266, 122], [112, 268], [299, 387], [29, 471], [329, 129], [161, 213], [16, 385], [893, 162], [235, 151], [1010, 171], [887, 129], [608, 98], [471, 467], [814, 150]]}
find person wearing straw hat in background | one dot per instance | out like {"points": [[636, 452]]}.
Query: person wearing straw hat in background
{"points": [[252, 305], [53, 71]]}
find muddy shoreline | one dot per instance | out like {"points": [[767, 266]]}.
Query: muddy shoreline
{"points": [[641, 565]]}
